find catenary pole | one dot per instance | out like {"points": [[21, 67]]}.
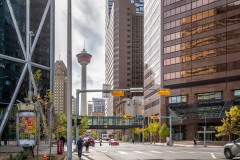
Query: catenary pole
{"points": [[69, 81]]}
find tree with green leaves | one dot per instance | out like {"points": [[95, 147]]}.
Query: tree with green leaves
{"points": [[138, 131], [84, 125], [153, 129], [164, 132], [231, 124], [60, 125], [145, 132]]}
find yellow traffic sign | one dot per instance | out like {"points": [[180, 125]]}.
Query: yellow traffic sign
{"points": [[164, 92], [127, 116], [117, 93], [154, 117]]}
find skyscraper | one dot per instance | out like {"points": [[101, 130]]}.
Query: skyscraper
{"points": [[124, 47], [26, 45], [60, 87], [198, 60]]}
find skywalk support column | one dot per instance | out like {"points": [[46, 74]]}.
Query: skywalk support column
{"points": [[84, 59]]}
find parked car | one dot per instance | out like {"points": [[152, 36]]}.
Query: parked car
{"points": [[91, 140], [113, 142], [232, 149]]}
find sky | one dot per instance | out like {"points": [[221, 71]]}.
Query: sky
{"points": [[88, 23]]}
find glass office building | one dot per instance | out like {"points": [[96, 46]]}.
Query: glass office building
{"points": [[199, 61], [26, 45]]}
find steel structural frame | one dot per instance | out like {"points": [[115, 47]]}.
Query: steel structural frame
{"points": [[27, 51]]}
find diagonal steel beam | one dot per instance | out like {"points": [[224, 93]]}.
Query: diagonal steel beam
{"points": [[12, 58], [9, 108], [40, 28], [16, 28]]}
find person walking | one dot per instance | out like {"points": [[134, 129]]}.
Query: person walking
{"points": [[100, 140], [195, 141], [87, 145], [63, 141], [80, 146]]}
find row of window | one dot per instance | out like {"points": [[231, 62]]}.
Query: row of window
{"points": [[203, 41], [203, 28], [187, 7], [200, 16], [203, 70], [202, 55], [201, 97]]}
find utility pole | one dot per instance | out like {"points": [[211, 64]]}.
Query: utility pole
{"points": [[205, 127], [69, 82]]}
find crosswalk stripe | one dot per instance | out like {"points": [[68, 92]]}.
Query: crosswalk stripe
{"points": [[104, 151], [91, 150], [142, 153], [155, 152], [171, 151], [122, 152]]}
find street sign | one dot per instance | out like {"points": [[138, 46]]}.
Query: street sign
{"points": [[164, 92], [127, 116], [117, 93], [154, 117]]}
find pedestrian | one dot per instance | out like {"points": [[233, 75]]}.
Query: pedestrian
{"points": [[195, 141], [87, 145], [100, 140], [80, 146], [63, 141]]}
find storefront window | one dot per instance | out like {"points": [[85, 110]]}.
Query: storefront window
{"points": [[236, 93]]}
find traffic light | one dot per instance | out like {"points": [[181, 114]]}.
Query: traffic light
{"points": [[78, 122], [73, 121]]}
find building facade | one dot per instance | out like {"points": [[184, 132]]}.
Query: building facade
{"points": [[124, 48], [60, 87], [25, 46], [199, 62]]}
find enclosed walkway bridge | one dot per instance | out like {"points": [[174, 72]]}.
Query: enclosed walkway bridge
{"points": [[114, 122]]}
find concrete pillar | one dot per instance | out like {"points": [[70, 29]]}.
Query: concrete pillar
{"points": [[84, 95]]}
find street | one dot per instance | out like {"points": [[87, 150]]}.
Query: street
{"points": [[150, 151]]}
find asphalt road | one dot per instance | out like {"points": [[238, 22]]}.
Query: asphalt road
{"points": [[130, 151]]}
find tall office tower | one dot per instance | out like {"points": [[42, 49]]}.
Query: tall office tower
{"points": [[124, 48], [60, 87], [98, 105], [26, 45], [152, 57], [90, 109], [201, 63]]}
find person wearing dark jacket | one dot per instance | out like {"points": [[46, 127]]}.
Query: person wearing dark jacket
{"points": [[87, 145], [63, 141], [80, 146]]}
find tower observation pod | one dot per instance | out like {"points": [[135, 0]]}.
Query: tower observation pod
{"points": [[84, 59]]}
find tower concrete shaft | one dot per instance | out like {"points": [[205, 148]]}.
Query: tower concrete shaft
{"points": [[84, 110]]}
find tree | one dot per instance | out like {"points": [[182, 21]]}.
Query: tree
{"points": [[164, 132], [231, 124], [60, 125], [84, 125], [153, 129], [145, 132], [138, 131]]}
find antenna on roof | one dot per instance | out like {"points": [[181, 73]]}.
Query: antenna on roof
{"points": [[84, 45]]}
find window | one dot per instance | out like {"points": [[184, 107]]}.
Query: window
{"points": [[177, 99], [236, 93], [210, 96]]}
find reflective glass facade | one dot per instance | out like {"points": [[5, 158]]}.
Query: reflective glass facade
{"points": [[201, 61], [14, 55]]}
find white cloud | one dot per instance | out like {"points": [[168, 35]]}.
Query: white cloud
{"points": [[88, 23]]}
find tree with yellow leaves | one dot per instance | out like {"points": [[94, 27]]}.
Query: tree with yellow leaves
{"points": [[153, 129], [138, 131], [231, 124]]}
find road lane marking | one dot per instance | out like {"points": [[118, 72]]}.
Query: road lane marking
{"points": [[213, 156], [155, 152], [142, 153], [122, 152], [171, 151], [104, 151]]}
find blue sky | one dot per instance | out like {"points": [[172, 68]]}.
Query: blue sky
{"points": [[88, 23]]}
